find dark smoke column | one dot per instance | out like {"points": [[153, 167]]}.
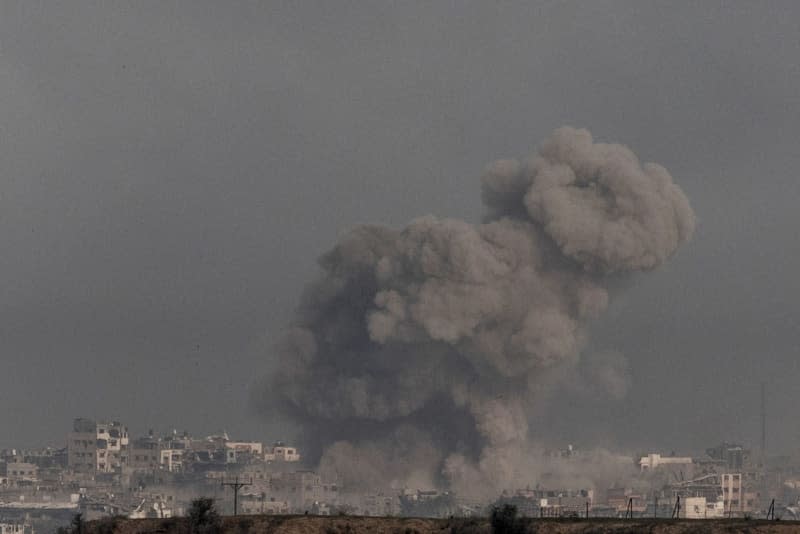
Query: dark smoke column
{"points": [[416, 357]]}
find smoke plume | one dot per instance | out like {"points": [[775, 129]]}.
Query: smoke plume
{"points": [[419, 354]]}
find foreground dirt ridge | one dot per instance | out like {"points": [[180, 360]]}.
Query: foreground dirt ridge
{"points": [[392, 525]]}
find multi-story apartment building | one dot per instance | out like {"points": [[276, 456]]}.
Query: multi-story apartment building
{"points": [[172, 460], [16, 473], [144, 454], [737, 498], [97, 446]]}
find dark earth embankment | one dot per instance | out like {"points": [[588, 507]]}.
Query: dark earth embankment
{"points": [[392, 525]]}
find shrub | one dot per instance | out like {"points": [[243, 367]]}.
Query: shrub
{"points": [[467, 527], [505, 521], [108, 525], [245, 525], [203, 517], [77, 524]]}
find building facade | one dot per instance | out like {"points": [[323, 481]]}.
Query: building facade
{"points": [[97, 446]]}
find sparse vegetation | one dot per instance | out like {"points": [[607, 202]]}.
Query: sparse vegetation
{"points": [[76, 526], [504, 520], [245, 525], [467, 526], [108, 525], [203, 517], [340, 529]]}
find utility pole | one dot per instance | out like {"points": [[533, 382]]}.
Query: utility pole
{"points": [[763, 424], [236, 485]]}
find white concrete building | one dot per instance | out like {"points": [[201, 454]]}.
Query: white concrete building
{"points": [[655, 460], [172, 460], [255, 448], [16, 528], [282, 453], [112, 446], [734, 496], [700, 508]]}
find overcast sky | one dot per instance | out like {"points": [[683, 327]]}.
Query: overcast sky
{"points": [[172, 170]]}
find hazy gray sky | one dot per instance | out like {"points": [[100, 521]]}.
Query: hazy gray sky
{"points": [[171, 171]]}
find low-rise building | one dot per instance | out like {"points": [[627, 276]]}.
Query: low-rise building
{"points": [[255, 448], [259, 503], [620, 499], [655, 460], [282, 453], [16, 528], [372, 504], [302, 488], [700, 508], [17, 473]]}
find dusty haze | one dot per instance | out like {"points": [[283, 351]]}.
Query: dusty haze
{"points": [[172, 171]]}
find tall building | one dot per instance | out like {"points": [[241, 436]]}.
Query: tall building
{"points": [[97, 446], [737, 496], [733, 493], [144, 454]]}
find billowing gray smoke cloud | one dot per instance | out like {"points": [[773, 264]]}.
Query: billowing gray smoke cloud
{"points": [[418, 355]]}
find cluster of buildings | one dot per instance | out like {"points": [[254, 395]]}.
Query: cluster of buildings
{"points": [[99, 447], [102, 470], [727, 481]]}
